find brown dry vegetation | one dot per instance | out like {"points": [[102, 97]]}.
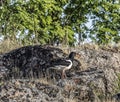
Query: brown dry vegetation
{"points": [[8, 45], [67, 92]]}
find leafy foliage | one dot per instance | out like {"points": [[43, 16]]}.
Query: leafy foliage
{"points": [[51, 21], [106, 25]]}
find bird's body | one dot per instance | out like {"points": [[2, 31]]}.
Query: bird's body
{"points": [[63, 64]]}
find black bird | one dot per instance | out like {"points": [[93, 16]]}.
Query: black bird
{"points": [[63, 64]]}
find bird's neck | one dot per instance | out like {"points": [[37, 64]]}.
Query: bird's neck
{"points": [[70, 64]]}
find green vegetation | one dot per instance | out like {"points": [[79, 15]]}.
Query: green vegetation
{"points": [[50, 21]]}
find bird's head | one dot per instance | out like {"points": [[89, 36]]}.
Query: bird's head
{"points": [[74, 55]]}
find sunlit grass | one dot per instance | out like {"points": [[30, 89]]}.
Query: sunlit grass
{"points": [[8, 45]]}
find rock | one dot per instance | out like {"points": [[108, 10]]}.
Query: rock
{"points": [[89, 85], [116, 97], [29, 58], [107, 61], [26, 92], [94, 78]]}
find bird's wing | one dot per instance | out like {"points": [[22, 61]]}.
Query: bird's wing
{"points": [[58, 67], [59, 62]]}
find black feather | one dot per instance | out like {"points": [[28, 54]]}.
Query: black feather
{"points": [[57, 62]]}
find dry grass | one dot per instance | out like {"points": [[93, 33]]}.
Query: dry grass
{"points": [[70, 100], [91, 46], [44, 81], [8, 45]]}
